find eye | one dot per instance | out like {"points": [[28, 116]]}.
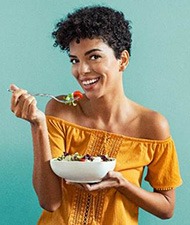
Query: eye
{"points": [[74, 61], [94, 57]]}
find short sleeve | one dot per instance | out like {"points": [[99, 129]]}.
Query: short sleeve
{"points": [[163, 171], [56, 137]]}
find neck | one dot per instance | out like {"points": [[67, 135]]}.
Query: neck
{"points": [[107, 109]]}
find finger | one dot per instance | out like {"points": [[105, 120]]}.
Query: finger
{"points": [[13, 87], [110, 174], [75, 184], [20, 108], [33, 107], [17, 101], [16, 98], [29, 107], [94, 187]]}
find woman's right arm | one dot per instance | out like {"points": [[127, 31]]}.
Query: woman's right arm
{"points": [[46, 184]]}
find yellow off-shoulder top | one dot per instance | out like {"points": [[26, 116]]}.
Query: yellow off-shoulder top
{"points": [[109, 206]]}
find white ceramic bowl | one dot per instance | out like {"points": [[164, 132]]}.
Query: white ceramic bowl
{"points": [[82, 172]]}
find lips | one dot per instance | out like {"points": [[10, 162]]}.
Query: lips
{"points": [[90, 81]]}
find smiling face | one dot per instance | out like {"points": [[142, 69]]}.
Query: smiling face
{"points": [[95, 67]]}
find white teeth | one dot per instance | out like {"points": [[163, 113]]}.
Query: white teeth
{"points": [[87, 82]]}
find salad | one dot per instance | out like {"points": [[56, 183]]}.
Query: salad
{"points": [[84, 158], [72, 97]]}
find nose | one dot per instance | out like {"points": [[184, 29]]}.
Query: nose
{"points": [[83, 68]]}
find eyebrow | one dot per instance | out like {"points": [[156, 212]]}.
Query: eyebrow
{"points": [[87, 53]]}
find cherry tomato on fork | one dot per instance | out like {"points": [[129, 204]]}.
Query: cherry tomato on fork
{"points": [[77, 94]]}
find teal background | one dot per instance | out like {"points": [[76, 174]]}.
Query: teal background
{"points": [[157, 77]]}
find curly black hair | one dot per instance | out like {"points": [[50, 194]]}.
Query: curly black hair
{"points": [[94, 22]]}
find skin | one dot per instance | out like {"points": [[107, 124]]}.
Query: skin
{"points": [[104, 106]]}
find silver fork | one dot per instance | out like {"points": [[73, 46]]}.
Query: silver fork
{"points": [[65, 101]]}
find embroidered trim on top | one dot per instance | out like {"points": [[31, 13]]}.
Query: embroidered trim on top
{"points": [[87, 207], [164, 189]]}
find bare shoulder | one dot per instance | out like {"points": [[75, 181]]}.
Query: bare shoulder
{"points": [[154, 125], [60, 110]]}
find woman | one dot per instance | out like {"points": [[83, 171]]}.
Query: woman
{"points": [[105, 121]]}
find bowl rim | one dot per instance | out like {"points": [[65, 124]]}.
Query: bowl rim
{"points": [[65, 161]]}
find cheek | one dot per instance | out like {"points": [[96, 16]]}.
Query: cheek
{"points": [[108, 67], [101, 68]]}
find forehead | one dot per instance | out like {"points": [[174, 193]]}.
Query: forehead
{"points": [[86, 44]]}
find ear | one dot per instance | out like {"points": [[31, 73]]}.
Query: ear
{"points": [[124, 60]]}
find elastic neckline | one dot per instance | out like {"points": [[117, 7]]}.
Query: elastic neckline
{"points": [[110, 133]]}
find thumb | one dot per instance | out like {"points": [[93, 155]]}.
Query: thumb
{"points": [[13, 87]]}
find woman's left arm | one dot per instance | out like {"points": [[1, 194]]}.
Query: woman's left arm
{"points": [[158, 203]]}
